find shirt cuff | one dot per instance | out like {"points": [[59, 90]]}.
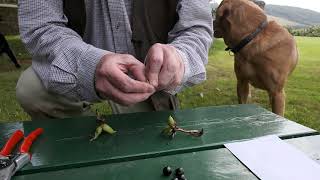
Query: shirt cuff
{"points": [[86, 73]]}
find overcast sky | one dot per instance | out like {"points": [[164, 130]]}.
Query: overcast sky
{"points": [[307, 4]]}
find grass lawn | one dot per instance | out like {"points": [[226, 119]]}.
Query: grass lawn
{"points": [[302, 90]]}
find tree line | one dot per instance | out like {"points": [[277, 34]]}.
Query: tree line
{"points": [[312, 31]]}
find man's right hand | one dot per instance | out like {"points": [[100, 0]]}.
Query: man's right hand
{"points": [[121, 78]]}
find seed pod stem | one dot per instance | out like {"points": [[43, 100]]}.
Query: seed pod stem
{"points": [[195, 133]]}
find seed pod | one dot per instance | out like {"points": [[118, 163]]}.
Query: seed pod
{"points": [[171, 122], [167, 131], [97, 133], [107, 128]]}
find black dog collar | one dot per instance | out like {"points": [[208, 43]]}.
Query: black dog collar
{"points": [[247, 39]]}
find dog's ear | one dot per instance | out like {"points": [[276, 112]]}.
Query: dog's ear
{"points": [[222, 22], [224, 10]]}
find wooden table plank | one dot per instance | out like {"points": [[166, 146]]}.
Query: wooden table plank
{"points": [[204, 165], [65, 143]]}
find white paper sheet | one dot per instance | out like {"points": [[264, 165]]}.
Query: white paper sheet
{"points": [[270, 158]]}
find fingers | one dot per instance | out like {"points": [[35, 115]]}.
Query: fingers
{"points": [[138, 72], [117, 76], [168, 71], [113, 82], [123, 82], [154, 64], [120, 97], [164, 68], [124, 79]]}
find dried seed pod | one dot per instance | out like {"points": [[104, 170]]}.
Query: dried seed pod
{"points": [[196, 133]]}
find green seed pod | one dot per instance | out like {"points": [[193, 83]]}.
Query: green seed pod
{"points": [[97, 133], [107, 128], [171, 122], [167, 131]]}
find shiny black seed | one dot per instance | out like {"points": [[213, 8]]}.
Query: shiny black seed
{"points": [[175, 178], [182, 177], [179, 172], [167, 171]]}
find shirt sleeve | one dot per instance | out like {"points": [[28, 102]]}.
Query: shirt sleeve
{"points": [[63, 61], [192, 37]]}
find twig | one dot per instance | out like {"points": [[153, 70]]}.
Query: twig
{"points": [[195, 133]]}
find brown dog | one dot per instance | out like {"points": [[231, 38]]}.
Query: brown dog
{"points": [[265, 53]]}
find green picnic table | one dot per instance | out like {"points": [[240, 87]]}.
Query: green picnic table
{"points": [[139, 151]]}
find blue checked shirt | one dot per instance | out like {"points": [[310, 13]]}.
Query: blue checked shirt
{"points": [[66, 63]]}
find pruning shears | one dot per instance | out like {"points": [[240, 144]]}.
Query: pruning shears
{"points": [[10, 164]]}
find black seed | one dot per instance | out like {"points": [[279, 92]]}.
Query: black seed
{"points": [[167, 171], [179, 172], [182, 177], [175, 178]]}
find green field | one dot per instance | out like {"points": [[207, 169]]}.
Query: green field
{"points": [[302, 90]]}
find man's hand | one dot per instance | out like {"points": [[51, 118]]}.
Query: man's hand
{"points": [[113, 79], [164, 68]]}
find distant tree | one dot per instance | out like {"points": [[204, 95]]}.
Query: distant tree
{"points": [[313, 31]]}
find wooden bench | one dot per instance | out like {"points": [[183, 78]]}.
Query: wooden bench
{"points": [[139, 151]]}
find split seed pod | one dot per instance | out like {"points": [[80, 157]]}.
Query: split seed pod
{"points": [[97, 133], [107, 128], [171, 122]]}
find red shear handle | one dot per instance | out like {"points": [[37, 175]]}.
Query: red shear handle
{"points": [[29, 140], [11, 143]]}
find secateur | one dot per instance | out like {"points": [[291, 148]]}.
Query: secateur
{"points": [[10, 164]]}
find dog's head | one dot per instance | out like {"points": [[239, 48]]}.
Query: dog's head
{"points": [[237, 17]]}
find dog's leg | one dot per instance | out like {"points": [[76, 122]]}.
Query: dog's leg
{"points": [[277, 101], [243, 91]]}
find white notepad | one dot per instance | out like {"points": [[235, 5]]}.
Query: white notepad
{"points": [[270, 158]]}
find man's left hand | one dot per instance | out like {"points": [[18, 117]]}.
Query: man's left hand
{"points": [[164, 67]]}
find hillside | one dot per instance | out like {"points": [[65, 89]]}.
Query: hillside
{"points": [[293, 16], [285, 22]]}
